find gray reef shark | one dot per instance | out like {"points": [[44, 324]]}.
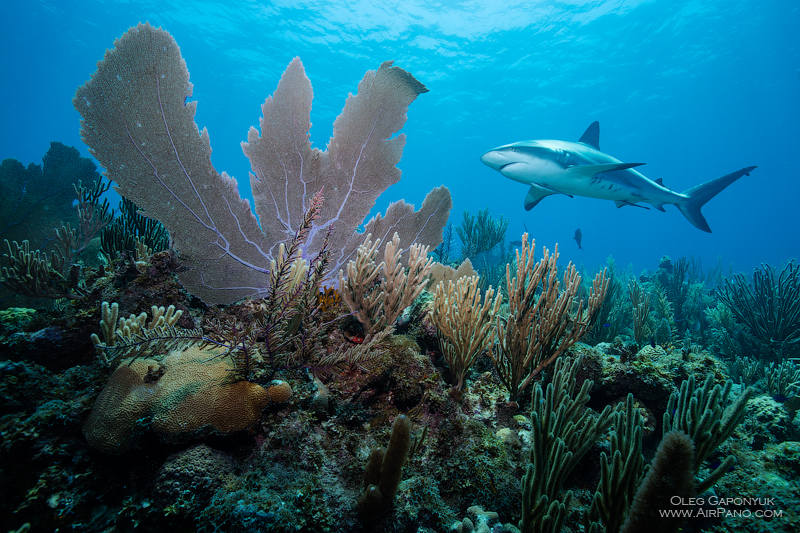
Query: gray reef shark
{"points": [[581, 169]]}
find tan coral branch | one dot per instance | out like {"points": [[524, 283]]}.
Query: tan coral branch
{"points": [[466, 325]]}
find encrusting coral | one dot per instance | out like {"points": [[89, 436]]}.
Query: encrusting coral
{"points": [[188, 479], [185, 392]]}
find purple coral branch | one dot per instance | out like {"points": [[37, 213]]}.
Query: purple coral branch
{"points": [[352, 178], [222, 242]]}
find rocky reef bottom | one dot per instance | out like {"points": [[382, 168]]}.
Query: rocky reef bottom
{"points": [[301, 466]]}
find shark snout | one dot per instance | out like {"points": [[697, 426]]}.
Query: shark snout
{"points": [[494, 159]]}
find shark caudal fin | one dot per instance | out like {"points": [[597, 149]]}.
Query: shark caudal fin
{"points": [[699, 195]]}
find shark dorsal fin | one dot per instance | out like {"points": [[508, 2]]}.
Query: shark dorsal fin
{"points": [[660, 181], [592, 135]]}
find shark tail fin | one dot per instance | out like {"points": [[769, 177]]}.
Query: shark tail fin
{"points": [[699, 195]]}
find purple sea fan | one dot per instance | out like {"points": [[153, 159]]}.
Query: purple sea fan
{"points": [[137, 124]]}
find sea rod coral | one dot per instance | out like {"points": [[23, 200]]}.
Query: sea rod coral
{"points": [[137, 123], [538, 330]]}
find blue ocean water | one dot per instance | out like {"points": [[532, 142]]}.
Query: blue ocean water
{"points": [[695, 89]]}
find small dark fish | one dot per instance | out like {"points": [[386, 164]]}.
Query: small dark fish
{"points": [[780, 398], [515, 243], [713, 465], [294, 324], [492, 485], [652, 342], [578, 236], [606, 325]]}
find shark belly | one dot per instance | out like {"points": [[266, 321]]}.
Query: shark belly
{"points": [[599, 188], [624, 187]]}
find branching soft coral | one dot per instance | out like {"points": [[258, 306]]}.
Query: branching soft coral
{"points": [[378, 301]]}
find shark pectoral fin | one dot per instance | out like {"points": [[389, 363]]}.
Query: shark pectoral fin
{"points": [[535, 195], [623, 203], [592, 170]]}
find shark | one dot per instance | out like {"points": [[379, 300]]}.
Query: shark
{"points": [[582, 169]]}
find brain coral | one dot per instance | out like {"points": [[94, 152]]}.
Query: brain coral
{"points": [[185, 392], [279, 391]]}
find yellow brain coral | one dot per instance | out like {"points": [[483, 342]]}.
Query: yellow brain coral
{"points": [[279, 391], [185, 392]]}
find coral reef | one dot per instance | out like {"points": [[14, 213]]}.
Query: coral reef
{"points": [[300, 464], [201, 437], [270, 414], [38, 198]]}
